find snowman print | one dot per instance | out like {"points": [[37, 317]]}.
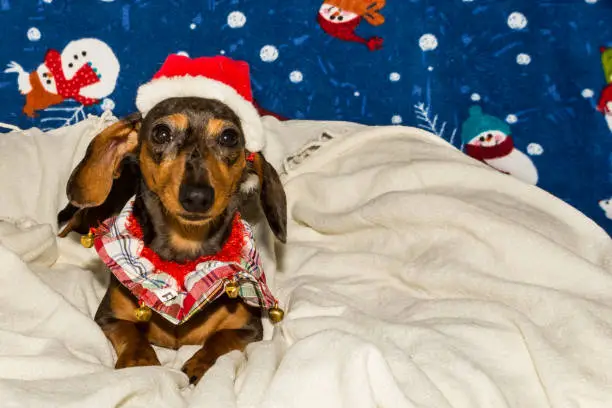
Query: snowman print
{"points": [[606, 206], [604, 104], [340, 19], [335, 14], [489, 139], [86, 71]]}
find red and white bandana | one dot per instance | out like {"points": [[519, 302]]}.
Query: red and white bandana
{"points": [[178, 290]]}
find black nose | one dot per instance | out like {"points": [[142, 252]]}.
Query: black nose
{"points": [[196, 198]]}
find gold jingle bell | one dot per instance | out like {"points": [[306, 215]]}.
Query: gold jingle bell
{"points": [[231, 289], [143, 313], [276, 314], [87, 240]]}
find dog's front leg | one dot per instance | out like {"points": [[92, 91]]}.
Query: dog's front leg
{"points": [[130, 343], [218, 344], [132, 347]]}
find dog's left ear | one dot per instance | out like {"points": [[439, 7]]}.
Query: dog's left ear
{"points": [[272, 197]]}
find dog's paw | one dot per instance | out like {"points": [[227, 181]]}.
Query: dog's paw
{"points": [[195, 368], [137, 357]]}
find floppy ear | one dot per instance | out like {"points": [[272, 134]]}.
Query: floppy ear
{"points": [[272, 198], [91, 181], [82, 219]]}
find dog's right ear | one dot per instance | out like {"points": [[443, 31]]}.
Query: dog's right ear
{"points": [[91, 181]]}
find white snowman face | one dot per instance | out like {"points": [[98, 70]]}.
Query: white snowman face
{"points": [[93, 52], [74, 56], [609, 107], [488, 138], [46, 78], [606, 205], [335, 14]]}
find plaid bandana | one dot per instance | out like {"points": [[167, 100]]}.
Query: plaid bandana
{"points": [[178, 290]]}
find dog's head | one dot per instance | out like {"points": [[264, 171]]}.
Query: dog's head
{"points": [[192, 157]]}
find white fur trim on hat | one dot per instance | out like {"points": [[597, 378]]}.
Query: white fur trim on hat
{"points": [[152, 93]]}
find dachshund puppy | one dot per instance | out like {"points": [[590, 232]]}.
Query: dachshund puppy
{"points": [[186, 162]]}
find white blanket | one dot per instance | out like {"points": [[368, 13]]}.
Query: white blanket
{"points": [[414, 277]]}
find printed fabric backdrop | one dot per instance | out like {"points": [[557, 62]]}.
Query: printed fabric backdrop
{"points": [[522, 85]]}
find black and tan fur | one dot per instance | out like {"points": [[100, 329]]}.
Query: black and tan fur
{"points": [[182, 145]]}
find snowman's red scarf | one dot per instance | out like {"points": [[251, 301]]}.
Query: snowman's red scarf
{"points": [[178, 290], [490, 152], [346, 31], [71, 88]]}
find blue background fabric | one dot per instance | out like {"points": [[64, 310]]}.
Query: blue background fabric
{"points": [[537, 65]]}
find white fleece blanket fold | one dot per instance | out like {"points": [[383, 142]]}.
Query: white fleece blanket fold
{"points": [[414, 277]]}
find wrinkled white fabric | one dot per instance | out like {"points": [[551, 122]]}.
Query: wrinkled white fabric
{"points": [[413, 277]]}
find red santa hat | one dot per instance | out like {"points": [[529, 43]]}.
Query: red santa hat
{"points": [[218, 77]]}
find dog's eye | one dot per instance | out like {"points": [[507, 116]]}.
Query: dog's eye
{"points": [[161, 134], [229, 138]]}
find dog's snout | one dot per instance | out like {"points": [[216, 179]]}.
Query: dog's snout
{"points": [[196, 198]]}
